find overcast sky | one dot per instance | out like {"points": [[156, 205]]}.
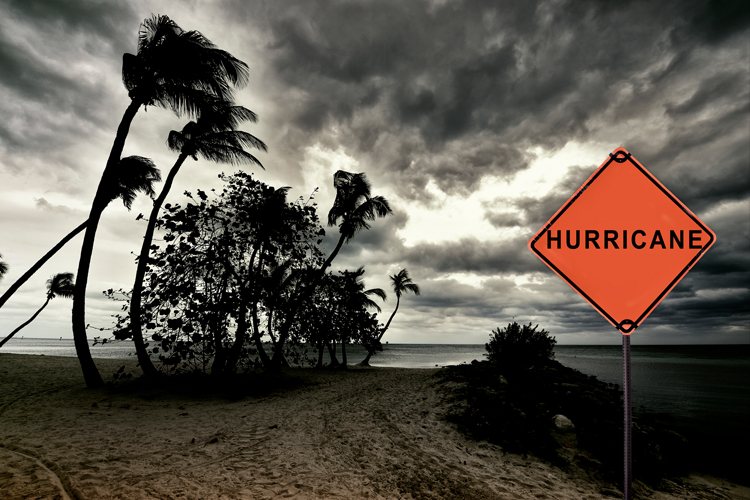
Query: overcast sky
{"points": [[476, 120]]}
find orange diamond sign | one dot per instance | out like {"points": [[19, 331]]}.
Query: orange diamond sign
{"points": [[622, 241]]}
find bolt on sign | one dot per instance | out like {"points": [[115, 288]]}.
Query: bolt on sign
{"points": [[622, 241]]}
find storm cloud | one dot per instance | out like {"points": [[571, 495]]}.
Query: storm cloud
{"points": [[477, 120]]}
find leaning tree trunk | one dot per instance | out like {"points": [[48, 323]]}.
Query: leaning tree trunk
{"points": [[371, 350], [2, 342], [101, 199], [140, 274], [28, 274]]}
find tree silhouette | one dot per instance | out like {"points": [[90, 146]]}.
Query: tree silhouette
{"points": [[355, 208], [3, 268], [401, 283], [357, 300], [60, 284], [173, 69], [213, 137], [225, 264], [139, 177]]}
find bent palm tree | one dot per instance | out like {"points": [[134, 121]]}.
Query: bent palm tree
{"points": [[33, 269], [358, 299], [173, 69], [60, 284], [355, 207], [401, 283], [140, 177], [135, 174], [355, 289], [213, 137]]}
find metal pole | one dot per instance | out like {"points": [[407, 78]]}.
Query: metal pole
{"points": [[628, 479]]}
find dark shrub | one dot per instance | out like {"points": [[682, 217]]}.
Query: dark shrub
{"points": [[519, 346]]}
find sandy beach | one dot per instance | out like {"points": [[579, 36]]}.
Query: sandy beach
{"points": [[372, 433]]}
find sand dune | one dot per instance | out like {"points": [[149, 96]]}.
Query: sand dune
{"points": [[368, 433]]}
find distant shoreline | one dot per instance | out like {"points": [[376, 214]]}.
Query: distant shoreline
{"points": [[462, 344]]}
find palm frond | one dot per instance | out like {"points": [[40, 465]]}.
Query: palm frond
{"points": [[154, 30], [401, 282], [135, 174], [221, 62], [379, 292], [176, 141], [180, 99], [61, 284], [372, 208], [218, 115], [233, 138], [226, 154], [180, 70], [368, 303], [132, 71], [3, 267]]}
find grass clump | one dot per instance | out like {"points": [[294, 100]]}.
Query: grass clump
{"points": [[512, 400]]}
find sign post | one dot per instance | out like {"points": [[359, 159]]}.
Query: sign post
{"points": [[628, 424], [623, 241]]}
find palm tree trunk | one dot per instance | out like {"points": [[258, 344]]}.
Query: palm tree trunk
{"points": [[220, 352], [321, 350], [366, 361], [239, 340], [33, 269], [270, 327], [90, 372], [382, 332], [2, 342], [257, 339], [370, 352], [332, 353], [140, 273]]}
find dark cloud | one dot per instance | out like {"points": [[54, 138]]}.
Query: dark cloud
{"points": [[445, 94], [469, 255], [411, 83], [56, 58], [110, 22], [720, 19]]}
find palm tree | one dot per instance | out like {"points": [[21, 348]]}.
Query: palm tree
{"points": [[60, 284], [401, 283], [213, 137], [358, 299], [33, 269], [357, 296], [3, 268], [140, 177], [354, 207], [173, 69]]}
